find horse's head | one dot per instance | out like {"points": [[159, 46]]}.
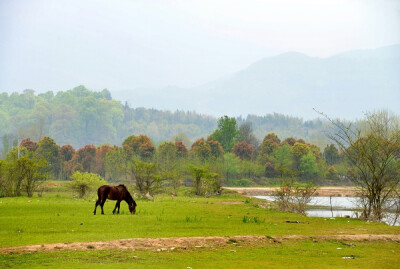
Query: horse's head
{"points": [[132, 207]]}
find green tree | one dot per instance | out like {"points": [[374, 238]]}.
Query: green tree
{"points": [[372, 149], [298, 151], [202, 176], [50, 151], [331, 154], [232, 165], [282, 160], [34, 173], [226, 133], [5, 145], [308, 166], [147, 178], [116, 164], [83, 183]]}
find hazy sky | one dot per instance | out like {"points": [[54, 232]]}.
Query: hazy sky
{"points": [[122, 45]]}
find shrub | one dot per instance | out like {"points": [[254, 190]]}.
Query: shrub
{"points": [[82, 183], [293, 196]]}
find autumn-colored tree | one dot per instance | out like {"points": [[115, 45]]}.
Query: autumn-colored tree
{"points": [[270, 142], [66, 153], [101, 153], [269, 170], [29, 144], [181, 149], [289, 141], [139, 145], [301, 141], [243, 150], [86, 157], [298, 151], [201, 149], [216, 149]]}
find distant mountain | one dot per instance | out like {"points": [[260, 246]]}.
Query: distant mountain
{"points": [[344, 85]]}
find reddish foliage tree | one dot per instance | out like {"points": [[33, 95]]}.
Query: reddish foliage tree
{"points": [[201, 149], [289, 141], [67, 152], [86, 157], [243, 150], [181, 149], [269, 170], [301, 141], [99, 159], [270, 142], [139, 145], [216, 149], [29, 144]]}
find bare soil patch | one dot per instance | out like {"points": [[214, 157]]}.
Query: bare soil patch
{"points": [[169, 244], [322, 191]]}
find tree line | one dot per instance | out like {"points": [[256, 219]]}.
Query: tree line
{"points": [[230, 155], [79, 117], [367, 155]]}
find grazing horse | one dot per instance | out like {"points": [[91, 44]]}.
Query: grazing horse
{"points": [[118, 193]]}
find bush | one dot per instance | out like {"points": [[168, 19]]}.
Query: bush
{"points": [[293, 196], [83, 183]]}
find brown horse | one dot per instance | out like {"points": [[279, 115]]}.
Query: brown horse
{"points": [[118, 193]]}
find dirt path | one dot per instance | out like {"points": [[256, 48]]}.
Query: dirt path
{"points": [[168, 244], [322, 191]]}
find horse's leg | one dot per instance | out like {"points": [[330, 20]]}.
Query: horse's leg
{"points": [[95, 207], [102, 204], [116, 206], [119, 205], [98, 201]]}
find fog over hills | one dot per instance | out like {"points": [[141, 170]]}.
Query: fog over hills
{"points": [[344, 85]]}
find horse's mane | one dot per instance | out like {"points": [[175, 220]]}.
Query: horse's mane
{"points": [[128, 195]]}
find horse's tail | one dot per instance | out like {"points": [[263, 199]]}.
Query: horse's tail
{"points": [[98, 195]]}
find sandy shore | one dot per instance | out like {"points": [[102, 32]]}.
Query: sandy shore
{"points": [[322, 191]]}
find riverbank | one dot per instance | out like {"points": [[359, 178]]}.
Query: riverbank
{"points": [[322, 191]]}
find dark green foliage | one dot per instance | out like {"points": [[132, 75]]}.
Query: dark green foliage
{"points": [[331, 154], [226, 133]]}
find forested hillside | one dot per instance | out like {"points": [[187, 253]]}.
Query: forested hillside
{"points": [[80, 116]]}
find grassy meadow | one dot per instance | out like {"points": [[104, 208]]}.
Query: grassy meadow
{"points": [[57, 217]]}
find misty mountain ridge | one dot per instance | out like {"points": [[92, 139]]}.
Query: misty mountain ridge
{"points": [[344, 85]]}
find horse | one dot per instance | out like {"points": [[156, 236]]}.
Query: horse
{"points": [[118, 193]]}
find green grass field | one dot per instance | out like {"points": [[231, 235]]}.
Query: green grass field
{"points": [[293, 254], [59, 218]]}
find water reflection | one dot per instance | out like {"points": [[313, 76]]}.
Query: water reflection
{"points": [[341, 207]]}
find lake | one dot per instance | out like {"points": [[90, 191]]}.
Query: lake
{"points": [[341, 206]]}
